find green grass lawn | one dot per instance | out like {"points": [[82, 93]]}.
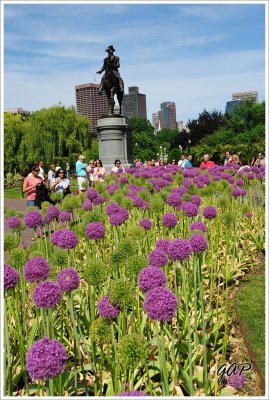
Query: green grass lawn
{"points": [[250, 305], [13, 193]]}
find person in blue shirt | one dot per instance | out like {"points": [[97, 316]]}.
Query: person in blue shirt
{"points": [[81, 173], [187, 163]]}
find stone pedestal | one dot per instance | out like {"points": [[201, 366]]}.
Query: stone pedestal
{"points": [[114, 141]]}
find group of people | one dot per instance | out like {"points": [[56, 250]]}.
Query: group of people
{"points": [[37, 190]]}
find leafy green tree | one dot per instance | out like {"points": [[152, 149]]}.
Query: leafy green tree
{"points": [[144, 146], [165, 137], [174, 155]]}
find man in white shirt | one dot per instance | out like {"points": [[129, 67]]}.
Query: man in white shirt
{"points": [[181, 161], [41, 170]]}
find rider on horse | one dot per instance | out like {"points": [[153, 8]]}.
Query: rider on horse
{"points": [[110, 66]]}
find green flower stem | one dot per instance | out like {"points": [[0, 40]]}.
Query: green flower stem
{"points": [[162, 358], [76, 341], [202, 307], [8, 366], [186, 299]]}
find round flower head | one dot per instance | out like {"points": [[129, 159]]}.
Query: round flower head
{"points": [[55, 237], [243, 192], [169, 220], [179, 249], [67, 239], [198, 243], [199, 226], [112, 208], [116, 219], [163, 244], [95, 231], [249, 214], [53, 212], [32, 219], [160, 304], [174, 199], [36, 269], [47, 294], [236, 192], [145, 223], [196, 199], [236, 380], [65, 216], [87, 205], [151, 277], [157, 258], [68, 280], [133, 394], [191, 209], [11, 277], [106, 309], [13, 222], [98, 200], [209, 212], [91, 193], [45, 359], [132, 350]]}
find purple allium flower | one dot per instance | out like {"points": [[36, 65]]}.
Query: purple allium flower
{"points": [[197, 225], [239, 182], [191, 209], [53, 212], [180, 190], [124, 213], [47, 294], [65, 216], [249, 214], [179, 249], [13, 222], [91, 193], [68, 280], [236, 192], [196, 199], [160, 304], [151, 277], [95, 231], [112, 208], [209, 212], [106, 309], [36, 269], [134, 394], [187, 182], [138, 201], [251, 176], [67, 239], [169, 220], [174, 199], [55, 236], [98, 200], [157, 258], [200, 185], [32, 219], [162, 244], [45, 359], [11, 277], [243, 192], [198, 243], [260, 176], [145, 223], [123, 179], [87, 205], [236, 379], [116, 219]]}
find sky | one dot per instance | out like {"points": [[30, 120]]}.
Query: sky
{"points": [[195, 55]]}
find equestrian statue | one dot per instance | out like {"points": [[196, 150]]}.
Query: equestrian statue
{"points": [[111, 82]]}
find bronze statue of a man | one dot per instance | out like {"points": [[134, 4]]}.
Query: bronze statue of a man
{"points": [[110, 66]]}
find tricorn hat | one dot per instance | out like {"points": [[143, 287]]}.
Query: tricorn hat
{"points": [[110, 48]]}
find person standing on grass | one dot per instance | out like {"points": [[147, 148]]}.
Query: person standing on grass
{"points": [[29, 185], [81, 173], [51, 175], [41, 170]]}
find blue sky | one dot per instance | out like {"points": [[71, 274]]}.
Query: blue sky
{"points": [[196, 55]]}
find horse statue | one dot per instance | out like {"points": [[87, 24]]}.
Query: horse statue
{"points": [[111, 83]]}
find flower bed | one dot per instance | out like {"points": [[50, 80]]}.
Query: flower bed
{"points": [[133, 295]]}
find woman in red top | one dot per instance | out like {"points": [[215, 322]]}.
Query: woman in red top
{"points": [[29, 185]]}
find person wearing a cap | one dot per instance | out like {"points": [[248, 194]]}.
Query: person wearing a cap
{"points": [[81, 173], [111, 64]]}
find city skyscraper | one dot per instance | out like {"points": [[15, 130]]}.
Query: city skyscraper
{"points": [[91, 104], [134, 103], [168, 115]]}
